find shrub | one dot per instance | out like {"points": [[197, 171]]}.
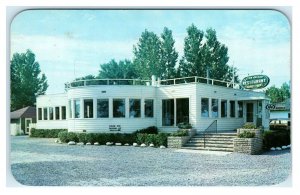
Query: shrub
{"points": [[90, 137], [249, 126], [63, 136], [156, 139], [82, 137], [276, 139], [246, 134], [72, 137], [184, 125], [46, 133], [148, 130], [180, 133]]}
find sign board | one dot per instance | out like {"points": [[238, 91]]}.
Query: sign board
{"points": [[114, 127], [255, 81], [270, 106]]}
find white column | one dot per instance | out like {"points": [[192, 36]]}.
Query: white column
{"points": [[81, 115], [228, 108], [209, 108], [175, 114], [126, 107], [94, 107], [110, 108], [236, 109], [142, 108]]}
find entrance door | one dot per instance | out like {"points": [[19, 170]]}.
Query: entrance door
{"points": [[182, 110], [249, 112], [27, 122]]}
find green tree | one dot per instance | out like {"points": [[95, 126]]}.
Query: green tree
{"points": [[27, 82], [169, 55], [203, 54], [123, 69], [279, 94], [87, 77], [147, 55], [190, 64]]}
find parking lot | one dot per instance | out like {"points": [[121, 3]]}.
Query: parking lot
{"points": [[41, 162]]}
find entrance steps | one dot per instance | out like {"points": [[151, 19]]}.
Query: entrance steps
{"points": [[211, 142]]}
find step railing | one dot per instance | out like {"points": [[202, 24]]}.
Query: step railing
{"points": [[212, 128]]}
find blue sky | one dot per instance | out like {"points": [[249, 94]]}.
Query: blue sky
{"points": [[81, 40]]}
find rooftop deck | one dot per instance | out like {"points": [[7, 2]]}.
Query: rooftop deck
{"points": [[175, 81]]}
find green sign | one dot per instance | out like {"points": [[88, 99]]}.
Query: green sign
{"points": [[255, 82]]}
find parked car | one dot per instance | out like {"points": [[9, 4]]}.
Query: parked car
{"points": [[280, 124]]}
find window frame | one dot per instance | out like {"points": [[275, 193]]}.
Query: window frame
{"points": [[152, 102], [113, 108], [97, 108]]}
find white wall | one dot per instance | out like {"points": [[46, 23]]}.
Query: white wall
{"points": [[111, 92], [192, 91], [46, 101]]}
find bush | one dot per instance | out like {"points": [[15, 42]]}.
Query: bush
{"points": [[180, 133], [156, 139], [46, 133], [184, 125], [246, 134], [63, 136], [82, 137], [276, 139], [249, 126], [72, 137], [148, 130]]}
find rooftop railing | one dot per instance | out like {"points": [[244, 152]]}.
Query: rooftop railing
{"points": [[175, 81]]}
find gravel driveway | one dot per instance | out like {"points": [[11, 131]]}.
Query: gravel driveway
{"points": [[41, 162]]}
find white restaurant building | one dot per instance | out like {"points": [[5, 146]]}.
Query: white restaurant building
{"points": [[123, 106]]}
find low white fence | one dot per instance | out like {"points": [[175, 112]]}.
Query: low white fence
{"points": [[15, 129]]}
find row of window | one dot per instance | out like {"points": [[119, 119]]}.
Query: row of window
{"points": [[118, 108], [224, 107], [55, 113]]}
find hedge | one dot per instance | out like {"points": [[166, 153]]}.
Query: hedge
{"points": [[148, 130], [180, 133], [101, 138], [276, 138], [156, 139], [246, 134], [46, 133]]}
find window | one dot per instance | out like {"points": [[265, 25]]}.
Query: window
{"points": [[214, 108], [50, 113], [148, 108], [102, 108], [134, 108], [63, 113], [168, 112], [88, 108], [45, 113], [240, 109], [204, 107], [223, 108], [77, 108], [119, 108], [70, 109], [40, 113], [57, 114], [232, 109], [182, 110]]}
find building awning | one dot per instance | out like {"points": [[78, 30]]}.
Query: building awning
{"points": [[27, 112]]}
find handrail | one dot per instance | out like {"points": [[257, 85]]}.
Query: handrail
{"points": [[90, 82], [175, 81], [213, 127]]}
